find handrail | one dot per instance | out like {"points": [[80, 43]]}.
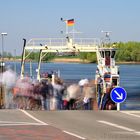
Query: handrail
{"points": [[61, 41]]}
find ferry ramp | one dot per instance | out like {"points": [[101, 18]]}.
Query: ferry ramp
{"points": [[59, 46]]}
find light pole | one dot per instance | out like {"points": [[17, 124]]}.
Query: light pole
{"points": [[1, 70], [2, 53]]}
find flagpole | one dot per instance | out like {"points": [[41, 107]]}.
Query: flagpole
{"points": [[66, 29], [66, 25], [73, 33]]}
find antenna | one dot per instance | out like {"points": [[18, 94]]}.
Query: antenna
{"points": [[107, 33], [106, 39]]}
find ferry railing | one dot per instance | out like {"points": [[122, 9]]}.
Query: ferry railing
{"points": [[86, 41], [62, 41], [47, 41]]}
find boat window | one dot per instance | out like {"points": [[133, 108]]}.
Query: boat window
{"points": [[103, 54], [114, 82], [107, 53], [113, 54]]}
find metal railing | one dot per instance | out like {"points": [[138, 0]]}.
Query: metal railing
{"points": [[47, 42], [86, 41], [62, 41]]}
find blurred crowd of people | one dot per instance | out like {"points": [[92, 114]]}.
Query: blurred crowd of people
{"points": [[53, 95]]}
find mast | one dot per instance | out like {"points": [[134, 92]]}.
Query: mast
{"points": [[23, 59]]}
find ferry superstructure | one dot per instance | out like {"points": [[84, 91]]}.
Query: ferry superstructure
{"points": [[107, 73]]}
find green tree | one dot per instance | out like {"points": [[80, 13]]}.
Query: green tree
{"points": [[83, 55], [49, 56], [91, 57], [128, 51]]}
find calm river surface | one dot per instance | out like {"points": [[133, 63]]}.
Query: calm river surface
{"points": [[129, 77]]}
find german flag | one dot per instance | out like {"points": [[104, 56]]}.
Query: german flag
{"points": [[70, 22]]}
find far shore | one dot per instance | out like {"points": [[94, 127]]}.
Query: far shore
{"points": [[65, 60], [69, 60]]}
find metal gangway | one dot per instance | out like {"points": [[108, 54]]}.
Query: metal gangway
{"points": [[57, 45]]}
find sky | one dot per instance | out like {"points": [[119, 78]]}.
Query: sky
{"points": [[41, 19]]}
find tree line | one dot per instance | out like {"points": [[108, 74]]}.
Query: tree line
{"points": [[126, 52], [6, 55]]}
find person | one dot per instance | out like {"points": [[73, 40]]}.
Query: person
{"points": [[110, 105], [86, 102], [74, 92], [8, 79], [99, 89], [49, 95], [58, 89], [65, 99], [89, 92], [106, 96], [36, 102]]}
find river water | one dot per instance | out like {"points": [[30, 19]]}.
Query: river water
{"points": [[129, 77]]}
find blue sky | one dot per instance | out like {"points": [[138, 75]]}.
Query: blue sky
{"points": [[41, 19]]}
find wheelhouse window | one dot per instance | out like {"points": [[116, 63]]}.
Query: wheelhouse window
{"points": [[107, 53], [113, 54], [107, 58], [102, 54]]}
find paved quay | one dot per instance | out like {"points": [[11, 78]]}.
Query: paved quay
{"points": [[69, 125]]}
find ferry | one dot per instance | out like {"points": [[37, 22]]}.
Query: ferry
{"points": [[107, 73]]}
